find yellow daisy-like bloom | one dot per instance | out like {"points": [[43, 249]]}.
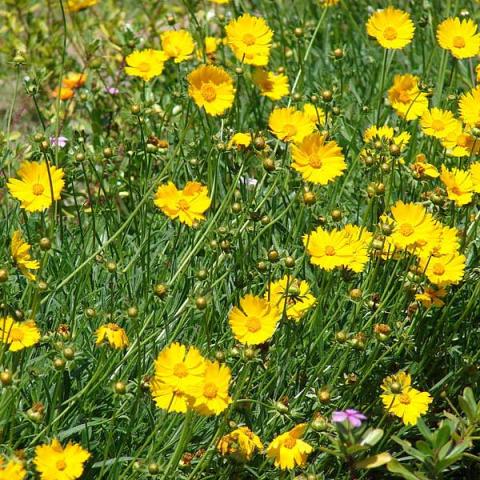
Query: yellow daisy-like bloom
{"points": [[421, 168], [12, 470], [460, 143], [240, 141], [113, 334], [413, 225], [475, 174], [241, 443], [290, 125], [459, 185], [329, 250], [210, 46], [469, 106], [33, 189], [272, 85], [291, 296], [406, 98], [18, 335], [74, 80], [443, 240], [288, 450], [177, 371], [438, 123], [386, 133], [409, 405], [314, 113], [250, 39], [444, 270], [20, 251], [77, 5], [431, 297], [188, 205], [460, 37], [391, 27], [64, 93], [318, 160], [397, 383], [360, 240], [211, 88], [177, 44], [255, 321], [210, 397], [145, 64], [54, 462]]}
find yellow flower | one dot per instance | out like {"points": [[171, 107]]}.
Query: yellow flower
{"points": [[77, 5], [386, 133], [441, 241], [421, 168], [210, 397], [459, 185], [11, 470], [272, 85], [20, 251], [291, 296], [289, 124], [64, 93], [33, 189], [177, 371], [438, 123], [74, 80], [412, 226], [255, 321], [445, 269], [475, 174], [459, 143], [177, 44], [211, 88], [469, 105], [431, 297], [288, 450], [409, 405], [250, 39], [55, 462], [329, 3], [397, 383], [113, 334], [406, 98], [145, 64], [210, 46], [460, 37], [318, 160], [188, 205], [391, 27], [241, 443], [240, 141], [360, 240], [314, 113], [18, 335], [220, 2]]}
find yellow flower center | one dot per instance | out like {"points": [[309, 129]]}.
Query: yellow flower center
{"points": [[404, 97], [290, 442], [144, 67], [61, 465], [458, 42], [37, 189], [182, 205], [249, 39], [253, 324], [290, 130], [16, 334], [315, 162], [208, 92], [456, 190], [210, 390], [179, 370], [329, 251], [438, 125], [438, 269], [406, 229], [390, 33], [404, 398]]}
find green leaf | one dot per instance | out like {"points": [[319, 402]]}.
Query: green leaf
{"points": [[424, 430], [394, 466], [442, 435], [374, 461]]}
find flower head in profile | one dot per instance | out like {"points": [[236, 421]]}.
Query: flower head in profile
{"points": [[289, 450], [34, 189], [317, 159], [438, 123], [459, 37], [272, 85], [351, 416], [177, 44], [469, 106], [387, 134], [290, 125], [460, 143], [74, 80], [240, 443], [250, 39], [421, 168], [391, 27], [406, 98], [240, 141], [459, 185], [188, 205], [53, 461], [210, 397], [18, 335], [77, 5], [113, 334], [178, 370], [431, 297], [64, 93], [145, 64], [291, 296], [255, 321], [444, 269], [20, 251], [12, 469], [211, 88], [314, 113]]}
